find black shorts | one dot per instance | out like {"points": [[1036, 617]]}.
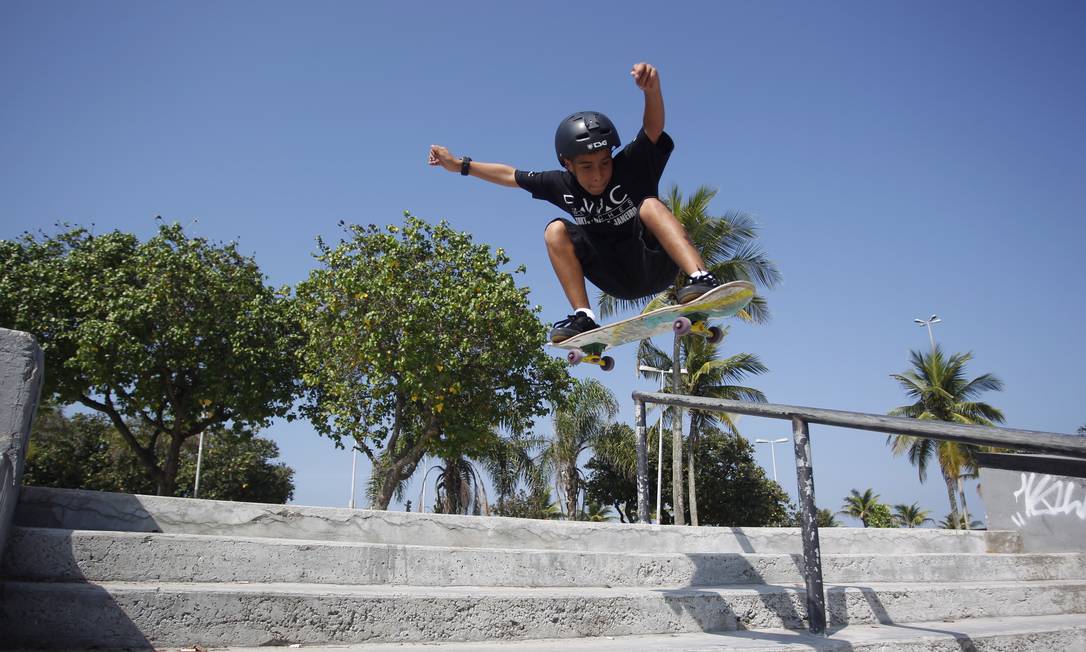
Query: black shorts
{"points": [[628, 265]]}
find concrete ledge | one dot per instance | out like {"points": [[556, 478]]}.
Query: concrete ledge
{"points": [[52, 555], [1048, 511], [22, 369], [1032, 634], [93, 510], [134, 615]]}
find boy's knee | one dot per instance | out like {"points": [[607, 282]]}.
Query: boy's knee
{"points": [[556, 234], [654, 208]]}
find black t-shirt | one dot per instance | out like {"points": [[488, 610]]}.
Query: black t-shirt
{"points": [[635, 177]]}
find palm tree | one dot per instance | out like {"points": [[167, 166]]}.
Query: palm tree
{"points": [[459, 487], [941, 392], [579, 424], [826, 518], [860, 505], [711, 377], [911, 515], [727, 245], [596, 512], [508, 462], [948, 523]]}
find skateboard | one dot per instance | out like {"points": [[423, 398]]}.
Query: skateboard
{"points": [[688, 318]]}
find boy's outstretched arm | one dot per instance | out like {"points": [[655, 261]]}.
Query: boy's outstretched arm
{"points": [[499, 173], [647, 79]]}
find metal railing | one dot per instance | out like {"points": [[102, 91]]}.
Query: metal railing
{"points": [[801, 418]]}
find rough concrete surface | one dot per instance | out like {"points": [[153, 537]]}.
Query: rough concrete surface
{"points": [[98, 510], [120, 614], [53, 555], [1033, 634], [1048, 510], [22, 369]]}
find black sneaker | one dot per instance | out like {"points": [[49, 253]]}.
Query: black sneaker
{"points": [[695, 287], [574, 324]]}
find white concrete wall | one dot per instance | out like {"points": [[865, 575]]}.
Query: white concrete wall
{"points": [[1049, 511], [22, 367]]}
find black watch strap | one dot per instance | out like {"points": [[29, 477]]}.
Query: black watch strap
{"points": [[465, 165]]}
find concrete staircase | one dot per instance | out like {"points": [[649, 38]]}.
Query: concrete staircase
{"points": [[95, 569]]}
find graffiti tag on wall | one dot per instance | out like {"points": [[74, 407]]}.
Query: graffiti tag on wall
{"points": [[1044, 495]]}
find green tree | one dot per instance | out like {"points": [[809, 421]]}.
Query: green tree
{"points": [[880, 516], [610, 484], [596, 513], [794, 518], [168, 338], [949, 523], [860, 506], [580, 421], [533, 503], [415, 343], [613, 472], [508, 462], [911, 516], [826, 518], [942, 392], [711, 377], [732, 487], [84, 451], [728, 246]]}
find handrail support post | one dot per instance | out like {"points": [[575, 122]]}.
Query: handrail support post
{"points": [[643, 515], [812, 554]]}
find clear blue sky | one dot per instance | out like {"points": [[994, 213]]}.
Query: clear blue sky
{"points": [[902, 159]]}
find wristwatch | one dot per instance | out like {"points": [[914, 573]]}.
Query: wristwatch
{"points": [[465, 165]]}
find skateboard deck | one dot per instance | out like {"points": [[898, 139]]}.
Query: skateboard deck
{"points": [[722, 301]]}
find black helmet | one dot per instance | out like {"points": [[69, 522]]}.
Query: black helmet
{"points": [[583, 133]]}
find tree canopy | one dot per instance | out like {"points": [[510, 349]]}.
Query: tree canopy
{"points": [[84, 451], [416, 341], [733, 488], [167, 338]]}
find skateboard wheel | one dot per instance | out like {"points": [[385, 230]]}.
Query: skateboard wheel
{"points": [[681, 326], [607, 363], [575, 356], [715, 335]]}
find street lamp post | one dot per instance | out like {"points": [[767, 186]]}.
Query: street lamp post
{"points": [[199, 461], [422, 494], [354, 467], [660, 452], [934, 319], [772, 451]]}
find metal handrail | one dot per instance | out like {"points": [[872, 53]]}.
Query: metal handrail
{"points": [[1034, 440], [801, 417]]}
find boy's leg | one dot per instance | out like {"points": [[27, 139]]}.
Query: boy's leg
{"points": [[669, 232], [566, 264], [671, 235]]}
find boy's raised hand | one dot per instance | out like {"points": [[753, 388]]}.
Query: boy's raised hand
{"points": [[645, 77], [441, 156]]}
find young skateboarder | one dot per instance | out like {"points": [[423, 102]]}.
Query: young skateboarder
{"points": [[621, 236]]}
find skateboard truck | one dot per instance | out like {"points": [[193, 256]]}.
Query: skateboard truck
{"points": [[683, 326], [577, 356]]}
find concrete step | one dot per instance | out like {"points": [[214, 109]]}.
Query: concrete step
{"points": [[1030, 634], [95, 510], [171, 614], [54, 555]]}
